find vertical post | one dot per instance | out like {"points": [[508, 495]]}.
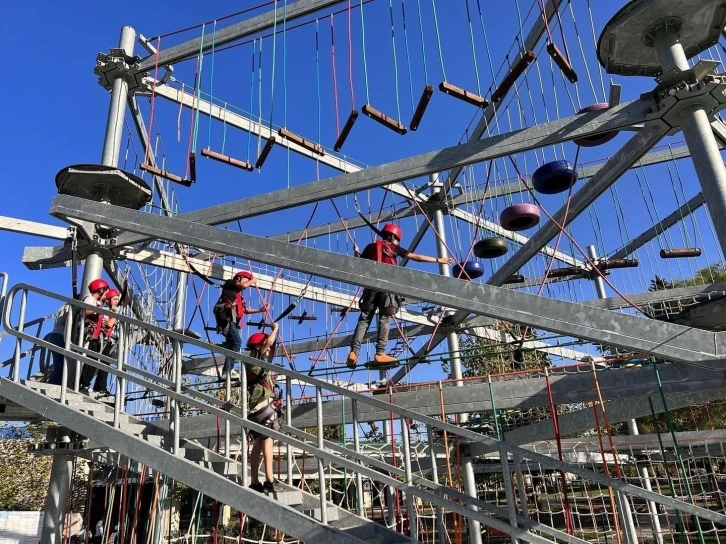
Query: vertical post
{"points": [[438, 513], [633, 429], [288, 422], [245, 408], [356, 447], [698, 134], [410, 497], [175, 404], [58, 489], [508, 489], [321, 465], [390, 493], [520, 486], [453, 344], [120, 382], [18, 342]]}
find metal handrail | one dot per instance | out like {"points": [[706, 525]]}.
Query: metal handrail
{"points": [[401, 412]]}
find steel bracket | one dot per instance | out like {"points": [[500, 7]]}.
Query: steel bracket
{"points": [[116, 64]]}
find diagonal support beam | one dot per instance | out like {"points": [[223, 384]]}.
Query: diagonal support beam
{"points": [[236, 31], [673, 342], [577, 126]]}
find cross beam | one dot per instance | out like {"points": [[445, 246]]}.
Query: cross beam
{"points": [[254, 25], [577, 126], [670, 341]]}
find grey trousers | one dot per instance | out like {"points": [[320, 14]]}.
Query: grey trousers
{"points": [[364, 323]]}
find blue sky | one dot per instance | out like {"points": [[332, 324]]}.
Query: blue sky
{"points": [[56, 112]]}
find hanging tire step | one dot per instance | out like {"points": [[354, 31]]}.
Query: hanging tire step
{"points": [[554, 177], [471, 271], [519, 217], [491, 248], [592, 141]]}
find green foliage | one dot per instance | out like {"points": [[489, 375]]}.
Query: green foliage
{"points": [[23, 477]]}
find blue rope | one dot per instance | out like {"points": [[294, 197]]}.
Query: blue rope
{"points": [[438, 38], [395, 57], [284, 65], [199, 91], [486, 41], [365, 62], [224, 128], [274, 58], [473, 49], [252, 95], [211, 89], [408, 55], [423, 42]]}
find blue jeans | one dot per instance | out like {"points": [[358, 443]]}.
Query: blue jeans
{"points": [[233, 342], [56, 369]]}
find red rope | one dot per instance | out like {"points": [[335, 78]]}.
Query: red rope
{"points": [[335, 77], [556, 425], [350, 60], [317, 358], [546, 20], [195, 106], [607, 474]]}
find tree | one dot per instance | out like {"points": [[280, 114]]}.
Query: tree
{"points": [[23, 477]]}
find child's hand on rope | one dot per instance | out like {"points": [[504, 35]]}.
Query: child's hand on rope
{"points": [[446, 260]]}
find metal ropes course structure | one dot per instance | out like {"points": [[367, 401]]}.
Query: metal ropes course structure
{"points": [[561, 381]]}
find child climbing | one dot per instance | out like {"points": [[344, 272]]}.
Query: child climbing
{"points": [[230, 309], [384, 251], [263, 407]]}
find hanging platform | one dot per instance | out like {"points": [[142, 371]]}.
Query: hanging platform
{"points": [[512, 76], [343, 136], [104, 183], [680, 252], [226, 159], [514, 278], [173, 177], [383, 119], [303, 317], [471, 271], [554, 177], [592, 141], [461, 94], [562, 62], [423, 103], [519, 217], [611, 264], [302, 142], [565, 271], [491, 248], [265, 152]]}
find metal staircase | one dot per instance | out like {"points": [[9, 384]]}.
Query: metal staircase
{"points": [[162, 446]]}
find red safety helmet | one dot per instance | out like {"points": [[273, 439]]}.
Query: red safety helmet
{"points": [[97, 285], [244, 274], [112, 293], [256, 340], [392, 228]]}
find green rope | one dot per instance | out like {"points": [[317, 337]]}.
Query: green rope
{"points": [[679, 519], [494, 409], [678, 452], [199, 92]]}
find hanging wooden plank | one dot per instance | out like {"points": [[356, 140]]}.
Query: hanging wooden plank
{"points": [[461, 94], [192, 167], [383, 119], [166, 175], [680, 252], [265, 152], [609, 264], [562, 62], [226, 159], [512, 76], [302, 142], [514, 278], [423, 103], [346, 130]]}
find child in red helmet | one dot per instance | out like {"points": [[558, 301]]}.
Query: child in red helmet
{"points": [[230, 309], [97, 289], [95, 335], [384, 251], [108, 343], [262, 409]]}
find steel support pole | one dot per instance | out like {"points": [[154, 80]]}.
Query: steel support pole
{"points": [[453, 343], [699, 137], [633, 428], [57, 498]]}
